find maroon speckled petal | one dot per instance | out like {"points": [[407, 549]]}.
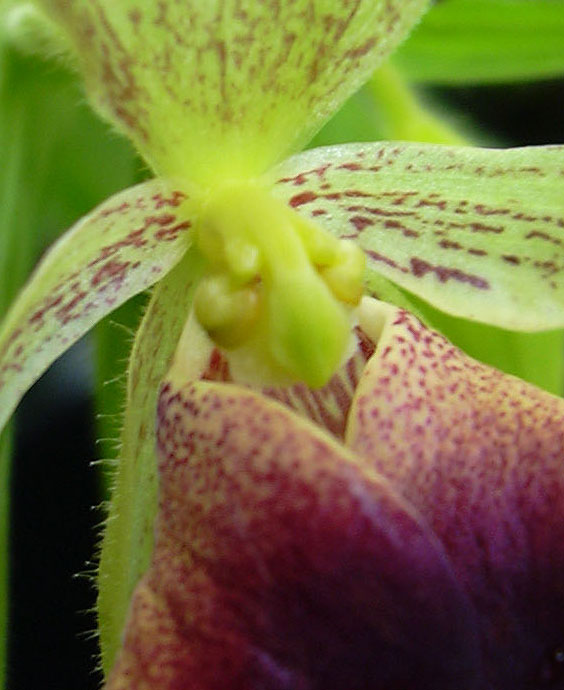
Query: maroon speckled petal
{"points": [[283, 562], [481, 455], [328, 407]]}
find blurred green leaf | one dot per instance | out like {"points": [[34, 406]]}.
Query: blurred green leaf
{"points": [[57, 161], [486, 41], [64, 159], [403, 114], [360, 119], [16, 250]]}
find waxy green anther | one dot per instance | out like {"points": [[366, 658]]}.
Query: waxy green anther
{"points": [[279, 279]]}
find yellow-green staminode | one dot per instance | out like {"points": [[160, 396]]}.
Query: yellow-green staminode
{"points": [[276, 278]]}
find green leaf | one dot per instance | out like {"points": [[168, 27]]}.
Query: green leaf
{"points": [[484, 41], [128, 537], [213, 90], [50, 144], [358, 120], [477, 233], [121, 248]]}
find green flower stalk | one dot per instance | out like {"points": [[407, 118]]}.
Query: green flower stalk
{"points": [[267, 249]]}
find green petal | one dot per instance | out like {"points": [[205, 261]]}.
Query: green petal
{"points": [[477, 41], [477, 233], [128, 538], [212, 90], [125, 245]]}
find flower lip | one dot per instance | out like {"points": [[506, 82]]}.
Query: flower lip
{"points": [[286, 558], [479, 454], [299, 552], [284, 561]]}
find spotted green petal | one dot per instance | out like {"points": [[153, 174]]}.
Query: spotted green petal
{"points": [[224, 88], [125, 245], [128, 537], [477, 233]]}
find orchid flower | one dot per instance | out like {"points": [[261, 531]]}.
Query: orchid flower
{"points": [[402, 527], [261, 244]]}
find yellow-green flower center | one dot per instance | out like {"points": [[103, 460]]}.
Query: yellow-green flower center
{"points": [[279, 278]]}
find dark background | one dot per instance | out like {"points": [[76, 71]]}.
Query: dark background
{"points": [[56, 490]]}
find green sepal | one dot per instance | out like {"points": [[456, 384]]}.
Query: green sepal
{"points": [[124, 246], [477, 233], [210, 91], [128, 537]]}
